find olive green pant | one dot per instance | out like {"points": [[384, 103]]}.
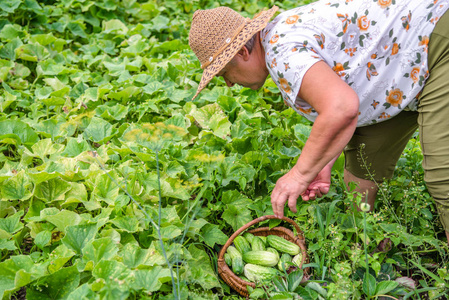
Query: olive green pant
{"points": [[378, 147]]}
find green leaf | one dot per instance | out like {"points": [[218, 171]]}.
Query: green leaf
{"points": [[16, 272], [195, 227], [96, 250], [110, 270], [116, 112], [160, 22], [49, 67], [127, 93], [7, 245], [290, 152], [78, 235], [369, 285], [134, 256], [75, 147], [52, 190], [77, 28], [9, 5], [99, 130], [114, 26], [43, 39], [82, 292], [18, 187], [168, 233], [52, 129], [152, 87], [105, 189], [9, 50], [385, 287], [59, 88], [315, 286], [55, 286], [148, 280], [211, 235], [302, 132], [200, 270], [177, 95], [59, 257], [212, 118], [126, 223], [63, 219], [12, 224], [77, 194], [236, 216], [32, 52], [19, 129], [42, 239], [44, 148]]}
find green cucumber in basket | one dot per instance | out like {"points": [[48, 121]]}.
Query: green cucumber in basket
{"points": [[283, 261], [237, 261], [228, 259], [272, 250], [282, 245], [256, 273], [262, 258], [248, 236], [297, 260], [242, 244], [257, 244]]}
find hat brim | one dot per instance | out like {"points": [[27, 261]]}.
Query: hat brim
{"points": [[255, 25]]}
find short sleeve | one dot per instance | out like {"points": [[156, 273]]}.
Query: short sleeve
{"points": [[288, 59]]}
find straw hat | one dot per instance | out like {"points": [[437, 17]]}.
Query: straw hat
{"points": [[216, 35]]}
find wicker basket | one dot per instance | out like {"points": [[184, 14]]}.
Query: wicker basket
{"points": [[236, 282]]}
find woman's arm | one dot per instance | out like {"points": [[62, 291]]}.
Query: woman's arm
{"points": [[338, 106]]}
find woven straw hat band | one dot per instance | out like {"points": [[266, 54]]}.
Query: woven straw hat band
{"points": [[207, 25]]}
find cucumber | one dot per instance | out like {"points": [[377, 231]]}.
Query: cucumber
{"points": [[264, 239], [256, 273], [285, 258], [237, 261], [241, 244], [297, 260], [282, 245], [272, 250], [257, 244], [262, 258], [249, 237], [228, 259]]}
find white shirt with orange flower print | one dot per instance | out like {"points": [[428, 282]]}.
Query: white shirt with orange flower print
{"points": [[379, 47]]}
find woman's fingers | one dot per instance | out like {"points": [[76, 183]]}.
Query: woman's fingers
{"points": [[278, 202]]}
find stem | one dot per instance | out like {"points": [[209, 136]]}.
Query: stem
{"points": [[365, 246], [170, 267]]}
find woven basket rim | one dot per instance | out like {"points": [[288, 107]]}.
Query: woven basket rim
{"points": [[236, 282]]}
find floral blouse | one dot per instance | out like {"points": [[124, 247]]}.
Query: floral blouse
{"points": [[378, 47]]}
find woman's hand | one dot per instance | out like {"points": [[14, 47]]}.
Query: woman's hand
{"points": [[292, 185], [319, 186]]}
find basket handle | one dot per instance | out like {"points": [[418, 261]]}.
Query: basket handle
{"points": [[255, 221]]}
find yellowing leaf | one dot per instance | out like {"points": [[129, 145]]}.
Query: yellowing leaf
{"points": [[114, 26]]}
